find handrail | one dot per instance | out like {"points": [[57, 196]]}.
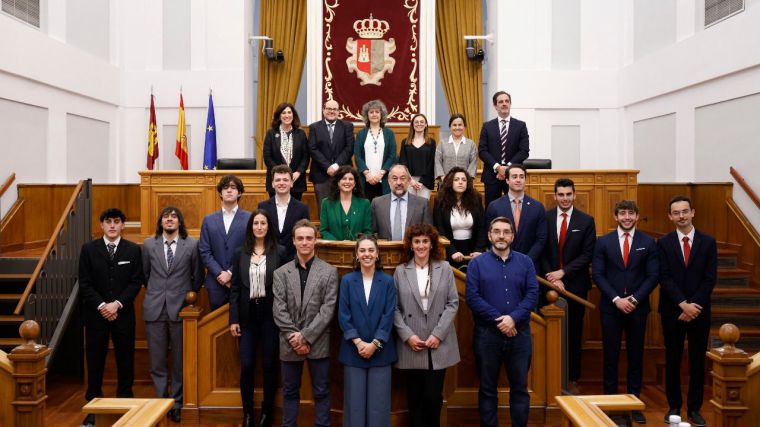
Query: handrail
{"points": [[7, 183], [48, 248], [566, 293], [745, 186]]}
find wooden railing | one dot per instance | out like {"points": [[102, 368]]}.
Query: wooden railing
{"points": [[55, 277], [7, 183], [119, 412], [566, 293], [745, 186], [589, 411]]}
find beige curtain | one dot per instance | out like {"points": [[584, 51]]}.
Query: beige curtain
{"points": [[285, 22], [462, 79]]}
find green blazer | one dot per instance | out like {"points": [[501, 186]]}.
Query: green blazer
{"points": [[389, 155], [334, 224]]}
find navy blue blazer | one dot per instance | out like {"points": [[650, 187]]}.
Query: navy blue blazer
{"points": [[576, 255], [217, 246], [371, 321], [489, 147], [616, 280], [531, 234], [693, 283], [296, 210]]}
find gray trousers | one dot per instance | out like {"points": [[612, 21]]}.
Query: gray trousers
{"points": [[367, 396], [160, 334], [321, 191]]}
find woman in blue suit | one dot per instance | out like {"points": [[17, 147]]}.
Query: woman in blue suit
{"points": [[375, 150], [366, 308]]}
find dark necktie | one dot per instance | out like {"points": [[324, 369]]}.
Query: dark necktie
{"points": [[686, 250], [169, 254], [626, 249], [111, 250], [503, 138], [562, 236]]}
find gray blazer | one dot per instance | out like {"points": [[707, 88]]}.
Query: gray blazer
{"points": [[165, 286], [410, 319], [417, 212], [313, 315], [446, 158]]}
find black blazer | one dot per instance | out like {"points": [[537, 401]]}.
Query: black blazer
{"points": [[489, 147], [102, 280], [694, 283], [577, 253], [296, 210], [299, 162], [241, 282], [324, 153], [442, 221]]}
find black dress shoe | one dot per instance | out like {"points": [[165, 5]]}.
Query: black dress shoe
{"points": [[89, 420], [696, 418], [672, 411], [638, 417], [266, 418], [247, 420], [175, 415]]}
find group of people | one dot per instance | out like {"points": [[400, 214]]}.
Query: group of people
{"points": [[282, 297]]}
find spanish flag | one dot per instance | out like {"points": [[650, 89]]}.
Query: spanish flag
{"points": [[180, 150], [152, 137]]}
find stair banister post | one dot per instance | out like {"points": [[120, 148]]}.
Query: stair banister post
{"points": [[29, 377], [553, 316], [729, 378], [190, 316]]}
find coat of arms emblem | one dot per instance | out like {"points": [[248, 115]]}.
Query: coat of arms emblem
{"points": [[370, 54]]}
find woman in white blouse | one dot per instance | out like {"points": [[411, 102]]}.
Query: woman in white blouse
{"points": [[374, 150], [459, 217], [251, 311], [458, 150]]}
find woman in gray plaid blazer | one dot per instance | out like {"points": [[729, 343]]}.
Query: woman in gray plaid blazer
{"points": [[427, 302]]}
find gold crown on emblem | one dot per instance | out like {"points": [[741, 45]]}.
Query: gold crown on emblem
{"points": [[371, 28]]}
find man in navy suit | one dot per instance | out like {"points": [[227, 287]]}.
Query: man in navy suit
{"points": [[503, 142], [526, 213], [688, 271], [331, 145], [565, 263], [284, 210], [625, 268], [221, 233]]}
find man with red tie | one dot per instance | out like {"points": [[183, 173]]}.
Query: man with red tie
{"points": [[688, 271], [625, 268], [565, 261]]}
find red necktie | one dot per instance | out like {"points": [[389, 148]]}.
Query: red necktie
{"points": [[686, 250], [626, 250], [562, 236]]}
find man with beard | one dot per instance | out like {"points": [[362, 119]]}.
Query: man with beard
{"points": [[502, 291], [392, 213], [625, 268]]}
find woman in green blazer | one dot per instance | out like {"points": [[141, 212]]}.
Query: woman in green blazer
{"points": [[346, 212], [375, 150]]}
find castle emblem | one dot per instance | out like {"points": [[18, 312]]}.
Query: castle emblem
{"points": [[370, 54]]}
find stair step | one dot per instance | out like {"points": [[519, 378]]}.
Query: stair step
{"points": [[748, 344], [11, 342], [734, 300], [11, 318], [10, 297], [15, 276], [742, 320], [733, 272], [734, 311], [24, 265]]}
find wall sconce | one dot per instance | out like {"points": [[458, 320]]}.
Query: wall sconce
{"points": [[472, 48], [268, 48]]}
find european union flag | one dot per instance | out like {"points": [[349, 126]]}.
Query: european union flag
{"points": [[209, 150]]}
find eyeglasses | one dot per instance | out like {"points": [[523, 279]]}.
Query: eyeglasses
{"points": [[330, 109]]}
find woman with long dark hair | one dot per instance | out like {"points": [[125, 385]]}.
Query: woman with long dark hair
{"points": [[251, 316], [418, 155], [346, 213], [424, 320], [285, 144], [459, 216]]}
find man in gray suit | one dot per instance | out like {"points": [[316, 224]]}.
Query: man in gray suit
{"points": [[305, 292], [392, 213], [172, 267]]}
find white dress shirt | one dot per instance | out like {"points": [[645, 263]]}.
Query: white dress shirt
{"points": [[559, 220], [374, 160], [367, 287], [227, 217], [681, 236], [282, 210], [422, 284], [621, 240]]}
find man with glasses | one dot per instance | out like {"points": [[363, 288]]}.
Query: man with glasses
{"points": [[331, 145]]}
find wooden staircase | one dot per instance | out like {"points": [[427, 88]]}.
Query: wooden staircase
{"points": [[14, 276], [734, 301]]}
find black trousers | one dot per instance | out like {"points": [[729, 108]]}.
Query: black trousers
{"points": [[372, 191], [424, 395], [259, 332], [575, 313], [122, 333], [674, 332], [494, 191], [613, 326]]}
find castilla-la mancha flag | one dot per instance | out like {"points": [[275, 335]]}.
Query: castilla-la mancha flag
{"points": [[152, 137], [180, 150]]}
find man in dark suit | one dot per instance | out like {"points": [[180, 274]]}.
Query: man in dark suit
{"points": [[392, 213], [172, 267], [110, 276], [526, 213], [503, 142], [331, 145], [565, 263], [688, 271], [284, 210], [221, 233], [625, 268]]}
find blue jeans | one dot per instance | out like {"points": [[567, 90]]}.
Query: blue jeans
{"points": [[291, 390], [492, 350]]}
